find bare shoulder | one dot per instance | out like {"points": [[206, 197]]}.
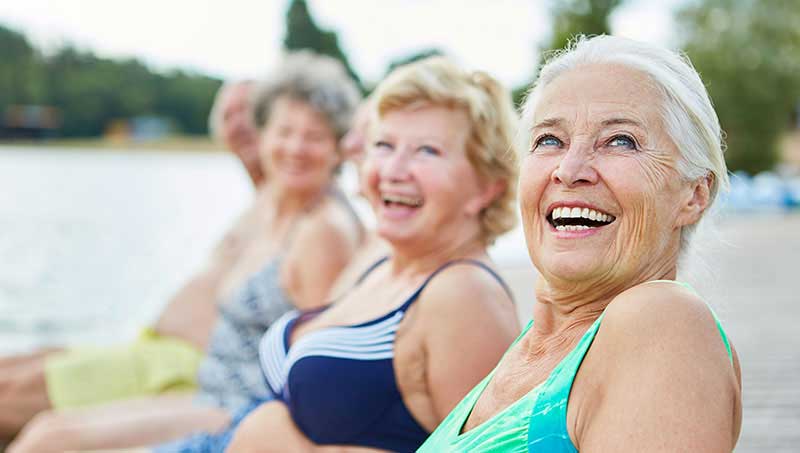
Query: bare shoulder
{"points": [[464, 289], [661, 311], [330, 224], [659, 363]]}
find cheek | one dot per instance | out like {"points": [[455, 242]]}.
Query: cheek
{"points": [[532, 179]]}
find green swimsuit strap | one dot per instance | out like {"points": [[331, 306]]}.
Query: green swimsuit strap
{"points": [[547, 431]]}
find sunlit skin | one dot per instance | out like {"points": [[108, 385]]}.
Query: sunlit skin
{"points": [[237, 130], [597, 141], [296, 147], [419, 153]]}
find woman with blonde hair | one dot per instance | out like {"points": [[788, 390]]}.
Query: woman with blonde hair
{"points": [[380, 367]]}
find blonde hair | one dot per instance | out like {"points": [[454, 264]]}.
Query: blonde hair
{"points": [[491, 149]]}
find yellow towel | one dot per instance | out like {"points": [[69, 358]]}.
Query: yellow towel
{"points": [[149, 366]]}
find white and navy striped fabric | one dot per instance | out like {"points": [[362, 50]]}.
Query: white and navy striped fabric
{"points": [[339, 382]]}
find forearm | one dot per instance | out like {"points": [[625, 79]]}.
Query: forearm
{"points": [[192, 311]]}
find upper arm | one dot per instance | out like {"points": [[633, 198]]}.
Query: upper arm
{"points": [[469, 321], [320, 250], [667, 383]]}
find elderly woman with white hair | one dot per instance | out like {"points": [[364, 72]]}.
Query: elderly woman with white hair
{"points": [[624, 160]]}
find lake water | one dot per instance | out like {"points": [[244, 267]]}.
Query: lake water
{"points": [[93, 243]]}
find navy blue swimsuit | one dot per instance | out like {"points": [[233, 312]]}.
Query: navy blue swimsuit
{"points": [[339, 382]]}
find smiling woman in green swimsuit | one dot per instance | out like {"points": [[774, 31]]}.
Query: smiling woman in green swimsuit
{"points": [[624, 159]]}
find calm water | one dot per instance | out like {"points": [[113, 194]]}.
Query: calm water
{"points": [[92, 244]]}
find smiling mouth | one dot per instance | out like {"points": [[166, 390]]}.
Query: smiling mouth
{"points": [[568, 218], [400, 200]]}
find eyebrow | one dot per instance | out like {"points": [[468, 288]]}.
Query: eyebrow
{"points": [[617, 121], [550, 122]]}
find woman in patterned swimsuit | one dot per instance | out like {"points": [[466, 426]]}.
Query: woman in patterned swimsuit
{"points": [[309, 235]]}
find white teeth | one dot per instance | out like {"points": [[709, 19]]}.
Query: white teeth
{"points": [[415, 202], [586, 213], [561, 228]]}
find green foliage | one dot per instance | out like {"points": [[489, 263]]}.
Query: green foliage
{"points": [[20, 70], [416, 56], [91, 91], [571, 18], [748, 54], [303, 33]]}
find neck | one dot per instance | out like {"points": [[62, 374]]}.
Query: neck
{"points": [[416, 260], [564, 305], [286, 202]]}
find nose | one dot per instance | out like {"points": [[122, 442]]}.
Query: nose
{"points": [[294, 145], [395, 166], [576, 166]]}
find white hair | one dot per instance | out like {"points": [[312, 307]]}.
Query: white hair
{"points": [[319, 80], [688, 115]]}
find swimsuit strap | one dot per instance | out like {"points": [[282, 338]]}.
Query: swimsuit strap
{"points": [[444, 266]]}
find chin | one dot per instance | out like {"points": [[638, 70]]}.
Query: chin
{"points": [[572, 268]]}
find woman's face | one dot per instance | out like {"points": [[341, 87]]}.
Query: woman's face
{"points": [[599, 191], [418, 179], [298, 146]]}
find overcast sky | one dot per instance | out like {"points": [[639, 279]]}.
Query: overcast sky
{"points": [[241, 38]]}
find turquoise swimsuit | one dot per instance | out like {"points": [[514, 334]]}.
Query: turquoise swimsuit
{"points": [[537, 422]]}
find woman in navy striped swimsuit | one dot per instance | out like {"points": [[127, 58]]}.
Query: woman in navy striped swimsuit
{"points": [[382, 366]]}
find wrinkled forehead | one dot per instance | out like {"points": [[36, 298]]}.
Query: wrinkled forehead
{"points": [[598, 92]]}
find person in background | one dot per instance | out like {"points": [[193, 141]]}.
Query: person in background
{"points": [[625, 158], [380, 367], [171, 350], [303, 234], [231, 123]]}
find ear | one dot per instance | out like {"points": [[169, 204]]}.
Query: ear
{"points": [[696, 201], [490, 192]]}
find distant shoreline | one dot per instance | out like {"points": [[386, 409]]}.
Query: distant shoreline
{"points": [[101, 144]]}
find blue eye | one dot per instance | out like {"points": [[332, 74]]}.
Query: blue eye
{"points": [[429, 150], [549, 141], [622, 141]]}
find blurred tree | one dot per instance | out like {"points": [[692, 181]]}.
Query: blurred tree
{"points": [[416, 56], [20, 70], [571, 18], [748, 54], [303, 33]]}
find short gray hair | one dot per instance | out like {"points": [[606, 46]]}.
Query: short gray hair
{"points": [[319, 80], [687, 112]]}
